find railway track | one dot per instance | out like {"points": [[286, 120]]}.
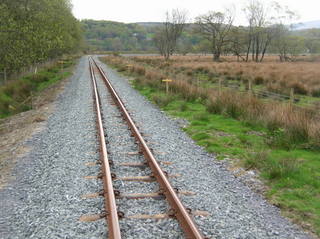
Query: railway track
{"points": [[147, 164]]}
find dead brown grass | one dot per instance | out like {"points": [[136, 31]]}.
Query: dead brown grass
{"points": [[303, 76]]}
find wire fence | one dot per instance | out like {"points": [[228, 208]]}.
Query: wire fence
{"points": [[265, 94]]}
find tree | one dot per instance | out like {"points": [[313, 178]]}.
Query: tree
{"points": [[266, 24], [312, 41], [260, 32], [287, 45], [215, 26], [237, 42], [167, 36], [33, 31]]}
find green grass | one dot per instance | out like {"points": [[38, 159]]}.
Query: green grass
{"points": [[293, 176], [16, 95]]}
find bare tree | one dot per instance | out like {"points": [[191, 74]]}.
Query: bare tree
{"points": [[237, 42], [215, 26], [167, 35], [263, 21], [284, 43]]}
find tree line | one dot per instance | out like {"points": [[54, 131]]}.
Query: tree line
{"points": [[267, 31], [33, 31], [116, 36]]}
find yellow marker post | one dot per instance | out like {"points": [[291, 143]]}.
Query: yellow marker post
{"points": [[61, 64], [167, 84]]}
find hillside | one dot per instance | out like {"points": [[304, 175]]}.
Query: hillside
{"points": [[307, 25], [116, 36]]}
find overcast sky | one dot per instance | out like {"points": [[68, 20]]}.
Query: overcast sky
{"points": [[153, 10]]}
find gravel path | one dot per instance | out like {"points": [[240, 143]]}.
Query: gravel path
{"points": [[44, 201]]}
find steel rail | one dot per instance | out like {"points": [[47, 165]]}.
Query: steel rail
{"points": [[110, 201], [178, 210]]}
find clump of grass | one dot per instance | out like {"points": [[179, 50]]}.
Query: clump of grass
{"points": [[214, 105], [201, 117], [162, 100], [183, 107], [256, 160], [282, 168], [272, 168]]}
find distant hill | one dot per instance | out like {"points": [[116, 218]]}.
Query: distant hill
{"points": [[117, 36], [149, 24], [307, 25]]}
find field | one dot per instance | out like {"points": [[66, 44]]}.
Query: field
{"points": [[277, 136], [302, 76]]}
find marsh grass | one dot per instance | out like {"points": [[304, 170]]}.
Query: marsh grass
{"points": [[278, 77]]}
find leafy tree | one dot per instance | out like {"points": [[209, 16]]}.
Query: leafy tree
{"points": [[33, 31]]}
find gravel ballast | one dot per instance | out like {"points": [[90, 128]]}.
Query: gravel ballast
{"points": [[44, 201]]}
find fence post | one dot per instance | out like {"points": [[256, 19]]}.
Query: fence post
{"points": [[220, 83], [31, 98], [250, 88], [291, 95], [5, 75]]}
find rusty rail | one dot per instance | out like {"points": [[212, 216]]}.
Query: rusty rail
{"points": [[110, 201], [177, 209]]}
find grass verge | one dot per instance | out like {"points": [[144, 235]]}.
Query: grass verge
{"points": [[17, 95]]}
